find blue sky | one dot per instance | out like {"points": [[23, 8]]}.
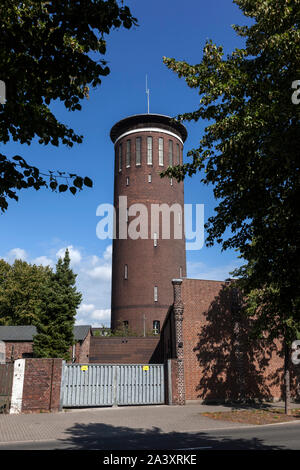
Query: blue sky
{"points": [[42, 224]]}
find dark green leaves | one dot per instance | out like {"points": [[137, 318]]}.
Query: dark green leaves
{"points": [[45, 55], [250, 154]]}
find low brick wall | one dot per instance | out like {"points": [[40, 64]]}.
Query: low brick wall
{"points": [[130, 350], [42, 383]]}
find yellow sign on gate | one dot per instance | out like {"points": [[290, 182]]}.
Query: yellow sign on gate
{"points": [[145, 367], [84, 368]]}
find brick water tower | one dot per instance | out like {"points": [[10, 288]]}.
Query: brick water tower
{"points": [[149, 243]]}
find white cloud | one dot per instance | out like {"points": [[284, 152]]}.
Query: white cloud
{"points": [[16, 253], [101, 273], [43, 260], [101, 315], [85, 309], [108, 253], [88, 313], [93, 278], [75, 255]]}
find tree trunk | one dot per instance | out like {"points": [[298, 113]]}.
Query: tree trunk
{"points": [[287, 394]]}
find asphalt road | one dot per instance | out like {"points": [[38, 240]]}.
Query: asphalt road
{"points": [[268, 438]]}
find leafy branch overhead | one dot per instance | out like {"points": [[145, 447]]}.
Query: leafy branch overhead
{"points": [[49, 51], [249, 153]]}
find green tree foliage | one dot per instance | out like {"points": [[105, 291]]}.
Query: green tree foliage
{"points": [[49, 50], [250, 153], [61, 299], [20, 292]]}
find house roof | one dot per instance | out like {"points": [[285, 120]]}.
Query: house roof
{"points": [[81, 332], [26, 333]]}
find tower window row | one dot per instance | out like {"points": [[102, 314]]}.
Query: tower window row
{"points": [[155, 287], [166, 150]]}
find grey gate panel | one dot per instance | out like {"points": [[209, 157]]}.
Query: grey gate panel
{"points": [[110, 384]]}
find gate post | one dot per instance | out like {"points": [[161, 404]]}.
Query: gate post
{"points": [[17, 387], [62, 386]]}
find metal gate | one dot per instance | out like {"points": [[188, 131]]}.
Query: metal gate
{"points": [[6, 378], [111, 385]]}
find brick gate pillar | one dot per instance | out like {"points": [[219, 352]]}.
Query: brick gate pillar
{"points": [[178, 309]]}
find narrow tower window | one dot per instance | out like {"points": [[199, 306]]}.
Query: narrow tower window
{"points": [[127, 180], [155, 293], [180, 272], [138, 151], [120, 157], [155, 239], [156, 327], [170, 153], [161, 151], [149, 150], [149, 178], [126, 271], [128, 153], [178, 154]]}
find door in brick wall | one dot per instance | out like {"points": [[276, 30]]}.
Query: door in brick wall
{"points": [[6, 378], [109, 385]]}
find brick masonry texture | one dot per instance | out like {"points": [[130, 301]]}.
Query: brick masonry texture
{"points": [[121, 350], [42, 383], [82, 349], [148, 266], [18, 349], [220, 363], [24, 349]]}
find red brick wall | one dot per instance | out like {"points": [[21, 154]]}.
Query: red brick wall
{"points": [[82, 350], [42, 383], [18, 349], [131, 350], [23, 349], [212, 369]]}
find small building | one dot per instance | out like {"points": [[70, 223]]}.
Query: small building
{"points": [[19, 342]]}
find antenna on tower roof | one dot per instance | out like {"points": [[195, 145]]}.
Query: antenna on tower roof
{"points": [[147, 93]]}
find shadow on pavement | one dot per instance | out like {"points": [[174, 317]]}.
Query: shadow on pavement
{"points": [[106, 437]]}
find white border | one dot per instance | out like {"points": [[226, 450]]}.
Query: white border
{"points": [[148, 129]]}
